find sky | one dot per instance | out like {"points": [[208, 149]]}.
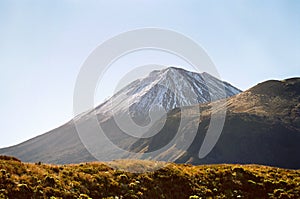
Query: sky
{"points": [[43, 45]]}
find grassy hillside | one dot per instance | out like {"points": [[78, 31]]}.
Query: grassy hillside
{"points": [[97, 180], [262, 126]]}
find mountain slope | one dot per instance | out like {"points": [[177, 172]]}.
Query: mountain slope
{"points": [[262, 126], [167, 89]]}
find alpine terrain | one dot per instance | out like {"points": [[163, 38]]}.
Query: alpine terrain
{"points": [[161, 91], [262, 126]]}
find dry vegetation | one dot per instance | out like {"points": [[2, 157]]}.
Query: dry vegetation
{"points": [[97, 180]]}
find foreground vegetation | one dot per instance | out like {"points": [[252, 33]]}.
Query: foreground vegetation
{"points": [[97, 180]]}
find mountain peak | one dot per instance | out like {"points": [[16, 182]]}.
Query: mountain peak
{"points": [[167, 70], [169, 88], [253, 118], [173, 68], [166, 89]]}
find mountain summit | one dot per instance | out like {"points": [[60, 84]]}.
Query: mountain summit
{"points": [[261, 125], [162, 90], [165, 89]]}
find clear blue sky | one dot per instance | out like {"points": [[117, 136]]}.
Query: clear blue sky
{"points": [[44, 43]]}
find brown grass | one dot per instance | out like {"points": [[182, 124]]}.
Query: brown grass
{"points": [[98, 180]]}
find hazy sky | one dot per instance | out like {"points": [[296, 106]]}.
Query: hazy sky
{"points": [[44, 43]]}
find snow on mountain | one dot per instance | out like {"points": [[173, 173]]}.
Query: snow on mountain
{"points": [[165, 89], [82, 140]]}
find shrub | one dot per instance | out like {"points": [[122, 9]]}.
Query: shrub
{"points": [[194, 197]]}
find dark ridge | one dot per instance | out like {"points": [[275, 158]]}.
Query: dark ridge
{"points": [[289, 87]]}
